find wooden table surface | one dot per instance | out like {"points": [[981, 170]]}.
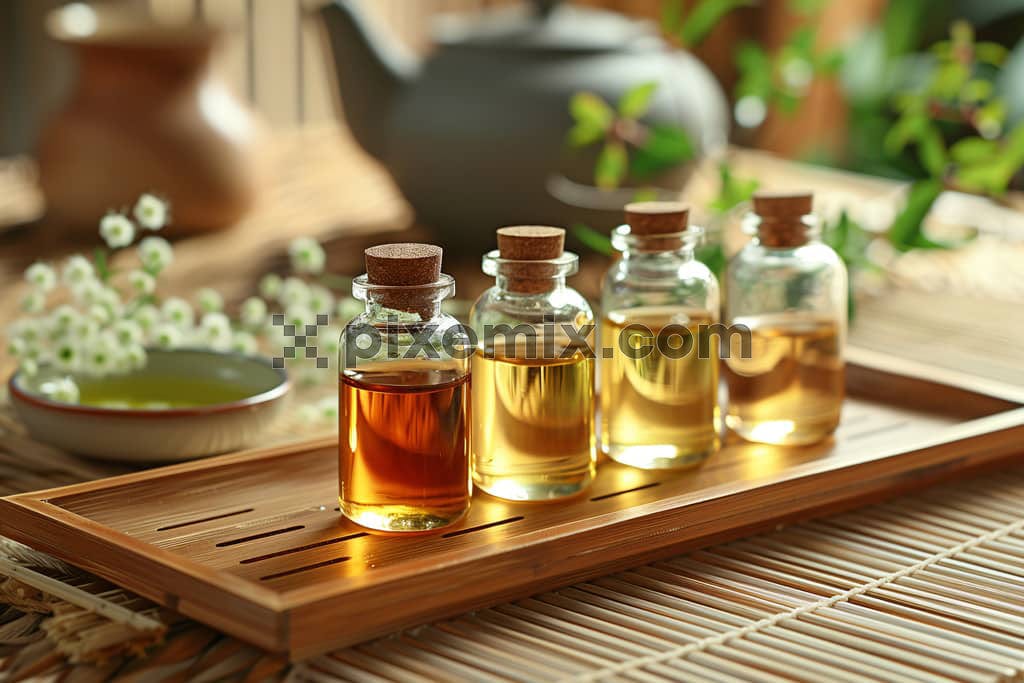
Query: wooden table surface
{"points": [[955, 313]]}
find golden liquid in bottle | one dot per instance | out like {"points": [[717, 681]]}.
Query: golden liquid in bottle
{"points": [[404, 447], [533, 426], [658, 411], [790, 390]]}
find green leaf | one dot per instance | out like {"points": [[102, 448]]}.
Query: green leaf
{"points": [[611, 165], [645, 194], [976, 90], [991, 53], [909, 128], [593, 239], [732, 190], [665, 147], [931, 150], [585, 133], [806, 7], [100, 263], [829, 63], [586, 107], [949, 79], [905, 232], [755, 67], [671, 16], [972, 150], [704, 16], [637, 100]]}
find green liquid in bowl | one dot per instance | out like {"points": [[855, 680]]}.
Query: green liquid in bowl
{"points": [[158, 392]]}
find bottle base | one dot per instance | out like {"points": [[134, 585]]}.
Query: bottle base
{"points": [[536, 488], [782, 432], [401, 518], [658, 456]]}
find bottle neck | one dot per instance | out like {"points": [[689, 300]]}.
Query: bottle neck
{"points": [[669, 247], [407, 303], [783, 233], [529, 286]]}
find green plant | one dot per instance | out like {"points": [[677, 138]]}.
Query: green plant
{"points": [[619, 130], [955, 123]]}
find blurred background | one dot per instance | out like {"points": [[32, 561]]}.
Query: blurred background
{"points": [[365, 121]]}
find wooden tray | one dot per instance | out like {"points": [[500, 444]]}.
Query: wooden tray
{"points": [[252, 543]]}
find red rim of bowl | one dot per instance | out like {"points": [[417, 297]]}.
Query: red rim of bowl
{"points": [[214, 408]]}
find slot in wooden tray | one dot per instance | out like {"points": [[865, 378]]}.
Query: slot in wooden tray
{"points": [[252, 543]]}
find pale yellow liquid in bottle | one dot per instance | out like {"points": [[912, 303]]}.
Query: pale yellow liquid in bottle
{"points": [[790, 391], [533, 426], [659, 411]]}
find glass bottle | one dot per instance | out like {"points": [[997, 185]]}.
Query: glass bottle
{"points": [[659, 369], [789, 289], [404, 391], [533, 373]]}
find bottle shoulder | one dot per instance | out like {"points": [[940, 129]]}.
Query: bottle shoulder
{"points": [[497, 305]]}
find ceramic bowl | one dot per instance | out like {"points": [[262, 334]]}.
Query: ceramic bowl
{"points": [[160, 434]]}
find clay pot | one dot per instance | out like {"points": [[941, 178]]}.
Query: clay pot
{"points": [[146, 115]]}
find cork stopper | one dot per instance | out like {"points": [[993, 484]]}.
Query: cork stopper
{"points": [[530, 243], [781, 215], [405, 265], [657, 218]]}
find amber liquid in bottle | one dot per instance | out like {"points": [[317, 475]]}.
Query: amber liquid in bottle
{"points": [[790, 390], [533, 426], [658, 411], [404, 450]]}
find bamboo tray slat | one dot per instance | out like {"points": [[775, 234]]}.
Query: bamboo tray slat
{"points": [[252, 543]]}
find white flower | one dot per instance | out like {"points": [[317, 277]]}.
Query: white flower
{"points": [[83, 328], [150, 212], [147, 316], [141, 282], [167, 336], [328, 340], [29, 329], [210, 300], [134, 357], [63, 317], [34, 302], [99, 313], [116, 230], [62, 390], [88, 291], [66, 356], [128, 332], [77, 270], [307, 255], [110, 299], [294, 292], [270, 286], [349, 308], [29, 367], [155, 253], [244, 342], [178, 312], [253, 312], [16, 347], [320, 299], [41, 276], [215, 330], [100, 355], [299, 316]]}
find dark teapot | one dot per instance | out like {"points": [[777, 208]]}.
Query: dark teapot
{"points": [[474, 136]]}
